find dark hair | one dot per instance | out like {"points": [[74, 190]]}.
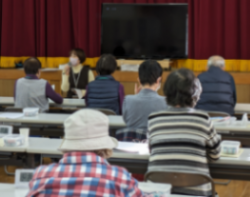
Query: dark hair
{"points": [[79, 53], [106, 65], [182, 88], [32, 65], [149, 72]]}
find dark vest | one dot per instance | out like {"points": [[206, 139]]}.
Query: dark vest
{"points": [[82, 83], [104, 93], [217, 91]]}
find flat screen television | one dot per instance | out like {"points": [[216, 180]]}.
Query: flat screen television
{"points": [[145, 31]]}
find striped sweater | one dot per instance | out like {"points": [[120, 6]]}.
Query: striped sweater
{"points": [[182, 140]]}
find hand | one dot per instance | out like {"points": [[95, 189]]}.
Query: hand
{"points": [[66, 70], [137, 88]]}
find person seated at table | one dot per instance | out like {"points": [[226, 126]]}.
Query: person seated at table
{"points": [[75, 75], [31, 91], [182, 138], [146, 100], [219, 93], [105, 92], [83, 169], [136, 108]]}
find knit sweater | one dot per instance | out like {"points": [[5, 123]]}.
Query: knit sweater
{"points": [[182, 140]]}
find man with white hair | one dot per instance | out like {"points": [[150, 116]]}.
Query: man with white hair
{"points": [[219, 92]]}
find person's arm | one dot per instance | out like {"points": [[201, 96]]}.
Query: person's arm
{"points": [[86, 97], [234, 90], [50, 93], [15, 90], [121, 96], [124, 111], [213, 144], [133, 189], [91, 77]]}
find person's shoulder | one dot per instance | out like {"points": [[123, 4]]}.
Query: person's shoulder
{"points": [[202, 74], [121, 172], [43, 80], [192, 112], [43, 169]]}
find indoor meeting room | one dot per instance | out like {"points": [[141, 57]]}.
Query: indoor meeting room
{"points": [[124, 98]]}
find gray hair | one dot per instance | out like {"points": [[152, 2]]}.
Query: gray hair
{"points": [[216, 60]]}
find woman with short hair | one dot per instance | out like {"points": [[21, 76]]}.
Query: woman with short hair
{"points": [[75, 75], [183, 139], [105, 92]]}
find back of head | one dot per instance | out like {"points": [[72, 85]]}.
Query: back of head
{"points": [[149, 72], [79, 53], [32, 65], [217, 61], [182, 88], [106, 65]]}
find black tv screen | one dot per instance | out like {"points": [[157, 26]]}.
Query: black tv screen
{"points": [[145, 31]]}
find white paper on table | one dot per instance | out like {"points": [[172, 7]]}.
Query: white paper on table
{"points": [[11, 115], [78, 93], [141, 148]]}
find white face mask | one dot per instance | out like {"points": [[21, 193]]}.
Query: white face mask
{"points": [[159, 87], [73, 61]]}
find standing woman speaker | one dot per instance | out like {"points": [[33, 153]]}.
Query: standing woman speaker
{"points": [[75, 76]]}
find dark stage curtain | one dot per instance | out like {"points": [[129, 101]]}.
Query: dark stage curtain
{"points": [[50, 28]]}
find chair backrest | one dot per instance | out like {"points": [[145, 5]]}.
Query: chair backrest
{"points": [[131, 135], [180, 179], [217, 114], [105, 111], [13, 109]]}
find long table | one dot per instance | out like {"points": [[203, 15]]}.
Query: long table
{"points": [[9, 101], [224, 168], [9, 190], [52, 125], [240, 108]]}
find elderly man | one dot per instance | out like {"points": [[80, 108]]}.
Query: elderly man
{"points": [[219, 93]]}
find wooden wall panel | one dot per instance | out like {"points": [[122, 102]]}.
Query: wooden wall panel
{"points": [[128, 79], [243, 93], [7, 87]]}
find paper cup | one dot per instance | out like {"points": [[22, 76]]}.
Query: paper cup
{"points": [[25, 132]]}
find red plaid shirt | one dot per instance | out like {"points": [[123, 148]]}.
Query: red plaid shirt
{"points": [[82, 174]]}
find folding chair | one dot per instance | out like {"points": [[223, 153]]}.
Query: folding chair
{"points": [[217, 114], [180, 179], [131, 135]]}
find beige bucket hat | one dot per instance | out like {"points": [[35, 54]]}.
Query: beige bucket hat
{"points": [[87, 130]]}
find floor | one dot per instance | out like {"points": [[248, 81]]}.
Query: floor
{"points": [[233, 189]]}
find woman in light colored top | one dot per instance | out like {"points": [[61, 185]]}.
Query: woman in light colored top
{"points": [[183, 139], [75, 75]]}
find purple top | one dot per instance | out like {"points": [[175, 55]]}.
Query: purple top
{"points": [[49, 92]]}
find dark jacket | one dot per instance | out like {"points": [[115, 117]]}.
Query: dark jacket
{"points": [[104, 93], [219, 93]]}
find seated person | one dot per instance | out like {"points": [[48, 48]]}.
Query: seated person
{"points": [[31, 91], [136, 108], [182, 138], [219, 93], [75, 75], [84, 170], [105, 92]]}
